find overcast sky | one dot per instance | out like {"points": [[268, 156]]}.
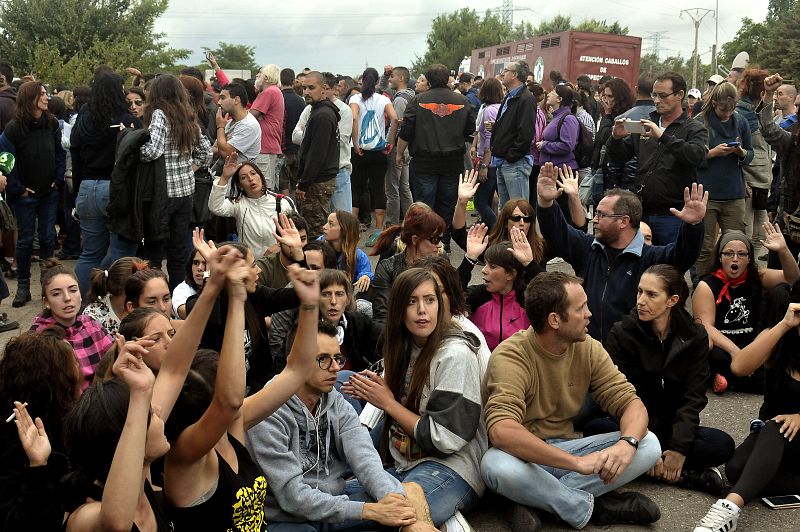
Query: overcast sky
{"points": [[346, 35]]}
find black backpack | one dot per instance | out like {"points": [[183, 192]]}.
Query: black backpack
{"points": [[585, 145]]}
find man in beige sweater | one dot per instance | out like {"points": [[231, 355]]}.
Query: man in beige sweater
{"points": [[534, 387]]}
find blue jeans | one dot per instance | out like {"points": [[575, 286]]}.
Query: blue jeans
{"points": [[29, 210], [665, 228], [341, 378], [445, 491], [512, 180], [118, 247], [484, 197], [72, 229], [439, 192], [567, 494], [342, 198], [91, 206]]}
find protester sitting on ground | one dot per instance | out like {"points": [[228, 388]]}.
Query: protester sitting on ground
{"points": [[515, 213], [210, 481], [249, 201], [261, 302], [148, 288], [664, 354], [106, 295], [420, 236], [341, 232], [192, 283], [273, 265], [611, 262], [730, 150], [310, 488], [497, 305], [647, 233], [430, 393], [319, 255], [61, 298], [534, 388], [37, 369], [358, 336], [390, 244], [728, 301], [766, 463]]}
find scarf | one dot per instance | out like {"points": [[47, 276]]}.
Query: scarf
{"points": [[728, 283]]}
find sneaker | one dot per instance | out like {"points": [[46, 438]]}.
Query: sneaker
{"points": [[721, 517], [720, 384], [373, 237], [524, 519], [708, 480], [756, 425], [457, 523], [624, 508]]}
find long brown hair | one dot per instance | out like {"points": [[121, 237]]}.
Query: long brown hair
{"points": [[420, 220], [499, 232], [112, 281], [167, 94], [348, 234], [27, 95]]}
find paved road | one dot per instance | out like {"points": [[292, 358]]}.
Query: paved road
{"points": [[680, 509]]}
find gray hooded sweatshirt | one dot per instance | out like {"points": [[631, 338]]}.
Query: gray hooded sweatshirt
{"points": [[304, 457]]}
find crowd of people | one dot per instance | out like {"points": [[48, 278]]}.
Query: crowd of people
{"points": [[224, 356]]}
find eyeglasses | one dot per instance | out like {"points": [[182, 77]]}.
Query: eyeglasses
{"points": [[737, 254], [435, 239], [661, 95], [600, 215], [518, 218], [508, 70], [325, 361], [135, 102]]}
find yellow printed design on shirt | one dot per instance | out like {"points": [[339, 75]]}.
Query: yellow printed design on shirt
{"points": [[248, 510]]}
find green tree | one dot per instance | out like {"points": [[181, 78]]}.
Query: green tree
{"points": [[749, 38], [601, 26], [63, 40], [556, 24], [235, 56], [676, 63], [454, 35]]}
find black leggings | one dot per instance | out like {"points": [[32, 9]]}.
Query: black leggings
{"points": [[720, 363], [711, 447], [765, 464], [369, 180]]}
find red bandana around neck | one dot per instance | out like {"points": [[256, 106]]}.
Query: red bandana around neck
{"points": [[728, 283]]}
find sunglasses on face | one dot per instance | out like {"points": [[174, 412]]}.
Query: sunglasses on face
{"points": [[435, 239], [135, 102], [516, 218]]}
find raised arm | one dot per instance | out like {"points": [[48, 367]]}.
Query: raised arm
{"points": [[789, 272], [568, 184], [302, 358], [755, 354], [468, 186], [705, 310]]}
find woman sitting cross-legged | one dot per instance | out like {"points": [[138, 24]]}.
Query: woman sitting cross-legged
{"points": [[664, 354]]}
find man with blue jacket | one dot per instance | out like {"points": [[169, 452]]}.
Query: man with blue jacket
{"points": [[612, 261]]}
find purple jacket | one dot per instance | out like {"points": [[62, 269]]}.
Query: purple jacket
{"points": [[559, 150], [489, 115]]}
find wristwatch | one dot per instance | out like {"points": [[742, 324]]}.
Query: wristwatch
{"points": [[630, 439]]}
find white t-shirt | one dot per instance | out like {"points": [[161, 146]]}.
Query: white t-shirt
{"points": [[181, 295], [245, 136], [377, 102]]}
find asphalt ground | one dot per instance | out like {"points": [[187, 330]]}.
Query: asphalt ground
{"points": [[680, 509]]}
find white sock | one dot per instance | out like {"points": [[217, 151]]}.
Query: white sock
{"points": [[452, 525], [732, 505]]}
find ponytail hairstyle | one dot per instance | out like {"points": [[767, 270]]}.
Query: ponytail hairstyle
{"points": [[724, 94], [672, 282], [499, 255], [134, 286], [349, 233], [420, 220], [112, 281], [369, 79], [567, 95]]}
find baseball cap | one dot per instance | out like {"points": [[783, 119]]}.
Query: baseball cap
{"points": [[694, 93], [716, 79]]}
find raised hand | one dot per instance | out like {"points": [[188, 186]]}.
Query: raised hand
{"points": [[231, 165], [521, 248], [773, 237], [546, 186], [477, 241], [567, 181], [32, 436], [694, 205], [468, 185], [792, 317], [305, 283], [236, 280], [219, 263], [204, 248], [130, 367], [287, 234]]}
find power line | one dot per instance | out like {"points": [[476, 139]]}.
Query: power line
{"points": [[655, 36]]}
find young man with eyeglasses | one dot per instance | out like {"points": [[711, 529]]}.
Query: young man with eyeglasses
{"points": [[307, 447], [669, 151], [611, 261]]}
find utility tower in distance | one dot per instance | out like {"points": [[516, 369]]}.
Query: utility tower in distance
{"points": [[655, 47], [506, 12]]}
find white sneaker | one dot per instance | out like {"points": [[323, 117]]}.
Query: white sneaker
{"points": [[721, 517], [555, 260], [457, 523]]}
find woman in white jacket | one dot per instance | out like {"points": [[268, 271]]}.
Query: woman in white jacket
{"points": [[249, 202]]}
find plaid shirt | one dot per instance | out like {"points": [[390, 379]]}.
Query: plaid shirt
{"points": [[88, 339], [180, 177]]}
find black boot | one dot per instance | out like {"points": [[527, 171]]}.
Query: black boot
{"points": [[23, 293]]}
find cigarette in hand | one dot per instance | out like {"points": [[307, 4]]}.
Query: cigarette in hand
{"points": [[10, 418]]}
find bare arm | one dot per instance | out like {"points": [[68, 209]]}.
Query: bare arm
{"points": [[754, 355], [705, 310], [389, 109], [789, 272]]}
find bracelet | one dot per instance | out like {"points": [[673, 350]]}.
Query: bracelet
{"points": [[473, 262]]}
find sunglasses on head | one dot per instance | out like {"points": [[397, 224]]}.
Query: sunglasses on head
{"points": [[519, 217]]}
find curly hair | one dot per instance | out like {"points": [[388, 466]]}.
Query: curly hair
{"points": [[752, 83], [40, 368], [107, 99], [623, 95], [167, 94]]}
